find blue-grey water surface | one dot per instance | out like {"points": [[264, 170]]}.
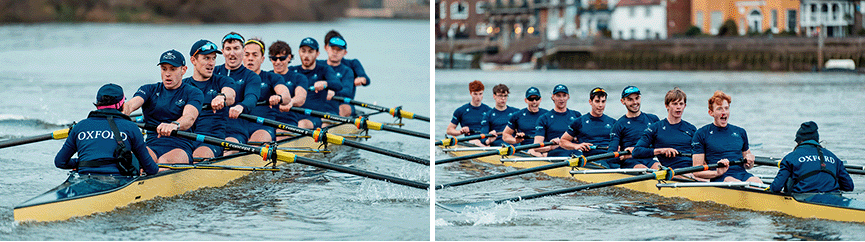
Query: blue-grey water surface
{"points": [[50, 76], [770, 106]]}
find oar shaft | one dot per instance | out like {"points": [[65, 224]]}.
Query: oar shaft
{"points": [[493, 152], [769, 161], [367, 123], [392, 111], [453, 140], [59, 134]]}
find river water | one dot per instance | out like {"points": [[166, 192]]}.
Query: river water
{"points": [[50, 77], [770, 106]]}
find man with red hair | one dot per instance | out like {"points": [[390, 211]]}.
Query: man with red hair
{"points": [[469, 116], [722, 142]]}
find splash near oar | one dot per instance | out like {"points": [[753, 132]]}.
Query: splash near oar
{"points": [[396, 112], [323, 136], [360, 123], [273, 154]]}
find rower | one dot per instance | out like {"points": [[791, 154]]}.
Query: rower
{"points": [[218, 91], [552, 124], [722, 142], [590, 129], [360, 77], [495, 120], [321, 77], [669, 137], [469, 115], [521, 126], [810, 168], [169, 105], [273, 91], [335, 47], [98, 140], [628, 129], [280, 56], [247, 85]]}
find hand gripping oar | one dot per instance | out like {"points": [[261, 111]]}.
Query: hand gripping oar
{"points": [[573, 162], [453, 140], [507, 150], [273, 154], [361, 122], [331, 138], [665, 174], [57, 134], [776, 162], [396, 112]]}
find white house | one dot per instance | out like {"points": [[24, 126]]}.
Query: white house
{"points": [[639, 19], [834, 15]]}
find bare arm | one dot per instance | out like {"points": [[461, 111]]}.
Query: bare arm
{"points": [[284, 97], [229, 96], [749, 159], [700, 160], [299, 96], [132, 105], [508, 136], [567, 142], [452, 130]]}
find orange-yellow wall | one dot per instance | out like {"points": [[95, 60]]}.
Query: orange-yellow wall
{"points": [[730, 10]]}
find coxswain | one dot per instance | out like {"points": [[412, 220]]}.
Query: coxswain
{"points": [[98, 139], [669, 137], [553, 124], [592, 129], [218, 91], [273, 91], [521, 127], [628, 129], [469, 115], [810, 168], [495, 120], [169, 105], [722, 142]]}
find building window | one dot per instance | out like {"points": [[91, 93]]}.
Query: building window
{"points": [[631, 11], [480, 7], [791, 20], [716, 20], [824, 13], [813, 12], [481, 29], [648, 34], [459, 10], [698, 20], [774, 19], [621, 36], [443, 7], [648, 11], [633, 33], [835, 12]]}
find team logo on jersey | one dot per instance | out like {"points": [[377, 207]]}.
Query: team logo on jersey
{"points": [[629, 122], [711, 132], [339, 75], [179, 102], [572, 118], [735, 134], [240, 82], [142, 92], [664, 127], [263, 85], [608, 126], [688, 133], [314, 77], [157, 94], [494, 114], [587, 121], [211, 92], [524, 114]]}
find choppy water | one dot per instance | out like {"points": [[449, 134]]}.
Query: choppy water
{"points": [[50, 78], [770, 106]]}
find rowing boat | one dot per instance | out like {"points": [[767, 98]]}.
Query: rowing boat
{"points": [[742, 197], [79, 197]]}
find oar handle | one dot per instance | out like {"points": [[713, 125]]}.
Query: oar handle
{"points": [[207, 106], [507, 150], [360, 123], [453, 140]]}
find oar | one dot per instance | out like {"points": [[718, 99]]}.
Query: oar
{"points": [[217, 167], [574, 162], [665, 174], [776, 162], [333, 139], [453, 140], [361, 123], [397, 111], [274, 154], [57, 134], [507, 150]]}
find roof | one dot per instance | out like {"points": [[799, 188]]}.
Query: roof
{"points": [[638, 2]]}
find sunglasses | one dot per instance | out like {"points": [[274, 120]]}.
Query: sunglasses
{"points": [[206, 47], [278, 58], [231, 37], [533, 98], [598, 90]]}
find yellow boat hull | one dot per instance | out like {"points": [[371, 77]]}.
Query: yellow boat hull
{"points": [[750, 199], [164, 184]]}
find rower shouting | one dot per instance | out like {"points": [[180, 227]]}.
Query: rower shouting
{"points": [[722, 142], [247, 84]]}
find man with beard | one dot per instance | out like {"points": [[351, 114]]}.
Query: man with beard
{"points": [[628, 129], [273, 91], [280, 56], [322, 78], [720, 142], [218, 92], [552, 124], [523, 122], [247, 84], [591, 129]]}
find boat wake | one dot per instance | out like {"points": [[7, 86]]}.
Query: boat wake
{"points": [[8, 121]]}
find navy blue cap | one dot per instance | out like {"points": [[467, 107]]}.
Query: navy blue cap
{"points": [[630, 90], [338, 42], [203, 47], [560, 88], [533, 91], [172, 57], [109, 94], [309, 41]]}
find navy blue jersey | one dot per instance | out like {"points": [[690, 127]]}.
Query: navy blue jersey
{"points": [[525, 121], [346, 79], [805, 159], [208, 122], [553, 125], [247, 85], [470, 116], [162, 105], [93, 140], [269, 80], [721, 143], [662, 134], [292, 81], [627, 131], [591, 129], [355, 66], [318, 101], [496, 120]]}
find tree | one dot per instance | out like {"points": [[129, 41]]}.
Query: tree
{"points": [[693, 31], [729, 28]]}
